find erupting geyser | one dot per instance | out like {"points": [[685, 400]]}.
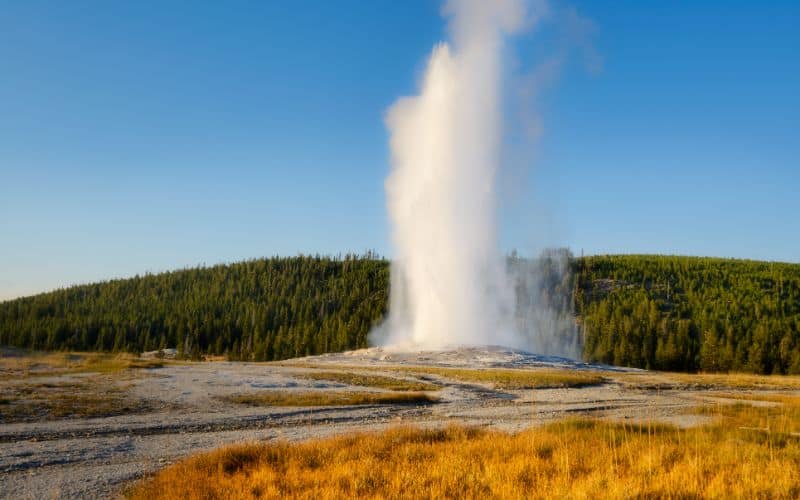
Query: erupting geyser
{"points": [[449, 280]]}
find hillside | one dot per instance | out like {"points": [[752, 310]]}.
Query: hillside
{"points": [[658, 312], [690, 313], [262, 309]]}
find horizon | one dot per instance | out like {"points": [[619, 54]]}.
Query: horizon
{"points": [[151, 138]]}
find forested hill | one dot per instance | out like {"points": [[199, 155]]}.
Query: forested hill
{"points": [[689, 313], [261, 309], [675, 313]]}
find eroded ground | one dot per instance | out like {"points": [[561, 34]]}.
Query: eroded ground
{"points": [[85, 427]]}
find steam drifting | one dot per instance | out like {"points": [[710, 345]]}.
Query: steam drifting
{"points": [[449, 284]]}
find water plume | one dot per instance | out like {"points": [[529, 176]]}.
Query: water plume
{"points": [[448, 279], [450, 283]]}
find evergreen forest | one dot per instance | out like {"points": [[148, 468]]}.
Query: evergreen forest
{"points": [[656, 312]]}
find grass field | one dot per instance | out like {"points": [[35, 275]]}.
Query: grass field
{"points": [[36, 402], [367, 380], [515, 378], [715, 381], [748, 452], [498, 378], [328, 398], [21, 363], [750, 448], [39, 386]]}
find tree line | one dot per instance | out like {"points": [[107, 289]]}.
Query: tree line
{"points": [[656, 312], [689, 313], [264, 309]]}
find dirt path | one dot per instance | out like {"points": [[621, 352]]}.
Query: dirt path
{"points": [[180, 409]]}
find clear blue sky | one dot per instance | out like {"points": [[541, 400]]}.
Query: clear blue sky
{"points": [[147, 136]]}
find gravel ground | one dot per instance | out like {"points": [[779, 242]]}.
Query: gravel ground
{"points": [[97, 457]]}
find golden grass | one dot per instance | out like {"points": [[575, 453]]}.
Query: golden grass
{"points": [[380, 381], [515, 379], [703, 381], [328, 398], [738, 380], [751, 397], [499, 378], [781, 419], [749, 453], [18, 363]]}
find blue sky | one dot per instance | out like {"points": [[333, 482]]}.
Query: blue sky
{"points": [[148, 136]]}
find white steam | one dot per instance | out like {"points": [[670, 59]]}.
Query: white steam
{"points": [[450, 282]]}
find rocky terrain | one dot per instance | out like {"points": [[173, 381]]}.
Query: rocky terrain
{"points": [[141, 419]]}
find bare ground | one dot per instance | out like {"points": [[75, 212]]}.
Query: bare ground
{"points": [[152, 417]]}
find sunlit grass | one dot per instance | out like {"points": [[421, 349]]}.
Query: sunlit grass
{"points": [[498, 378], [33, 363], [745, 452], [366, 380], [739, 380], [780, 421], [672, 380], [748, 453], [515, 379], [328, 398]]}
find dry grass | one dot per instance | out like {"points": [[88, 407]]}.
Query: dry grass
{"points": [[37, 386], [515, 379], [77, 398], [715, 381], [738, 380], [749, 453], [380, 381], [781, 418], [499, 378], [18, 363], [328, 398]]}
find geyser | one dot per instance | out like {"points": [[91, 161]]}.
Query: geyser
{"points": [[449, 279]]}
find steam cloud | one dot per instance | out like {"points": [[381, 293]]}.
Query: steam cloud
{"points": [[451, 284]]}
